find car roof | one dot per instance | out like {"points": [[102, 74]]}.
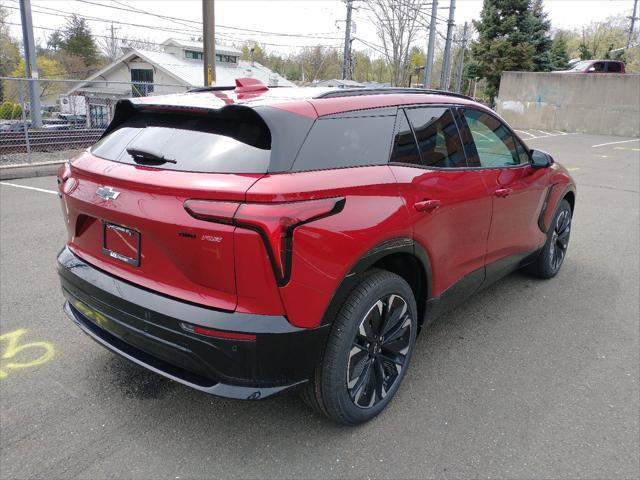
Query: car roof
{"points": [[307, 101]]}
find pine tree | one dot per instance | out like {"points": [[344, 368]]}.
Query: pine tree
{"points": [[540, 38], [78, 40], [504, 41], [559, 52]]}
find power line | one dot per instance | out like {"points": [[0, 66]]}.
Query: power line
{"points": [[199, 24]]}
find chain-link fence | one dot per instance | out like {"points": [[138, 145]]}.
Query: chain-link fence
{"points": [[74, 115]]}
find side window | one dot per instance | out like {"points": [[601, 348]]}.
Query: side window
{"points": [[437, 136], [340, 141], [597, 67], [405, 149], [614, 67], [494, 144]]}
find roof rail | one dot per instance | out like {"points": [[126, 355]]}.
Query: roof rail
{"points": [[210, 89], [352, 92]]}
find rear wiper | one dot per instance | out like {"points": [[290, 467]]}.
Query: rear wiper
{"points": [[148, 158]]}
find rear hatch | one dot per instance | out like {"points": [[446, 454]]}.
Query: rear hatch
{"points": [[124, 198]]}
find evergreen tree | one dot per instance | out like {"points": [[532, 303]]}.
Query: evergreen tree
{"points": [[559, 52], [504, 41], [540, 38], [78, 40]]}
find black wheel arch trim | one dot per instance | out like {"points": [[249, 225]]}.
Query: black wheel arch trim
{"points": [[366, 261], [569, 188]]}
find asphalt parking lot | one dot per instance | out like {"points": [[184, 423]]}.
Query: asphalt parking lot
{"points": [[529, 379]]}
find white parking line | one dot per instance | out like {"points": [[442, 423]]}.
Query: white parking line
{"points": [[614, 143], [547, 134], [526, 133], [29, 188]]}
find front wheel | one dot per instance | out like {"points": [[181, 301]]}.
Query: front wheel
{"points": [[548, 263], [368, 350]]}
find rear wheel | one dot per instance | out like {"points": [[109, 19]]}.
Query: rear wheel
{"points": [[368, 350], [548, 263]]}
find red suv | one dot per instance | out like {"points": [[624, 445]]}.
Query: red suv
{"points": [[246, 242]]}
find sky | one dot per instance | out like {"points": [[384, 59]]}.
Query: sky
{"points": [[283, 25]]}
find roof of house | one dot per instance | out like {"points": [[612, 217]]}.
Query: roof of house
{"points": [[189, 72], [196, 45], [336, 82]]}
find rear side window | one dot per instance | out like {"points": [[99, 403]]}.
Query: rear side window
{"points": [[438, 138], [234, 143], [405, 148], [336, 142], [614, 67]]}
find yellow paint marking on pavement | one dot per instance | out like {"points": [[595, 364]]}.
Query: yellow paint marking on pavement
{"points": [[627, 149], [40, 352]]}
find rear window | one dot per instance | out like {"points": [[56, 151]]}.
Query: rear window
{"points": [[336, 142], [234, 143]]}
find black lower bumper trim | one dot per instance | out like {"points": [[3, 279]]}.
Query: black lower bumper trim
{"points": [[135, 323]]}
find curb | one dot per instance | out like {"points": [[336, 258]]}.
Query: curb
{"points": [[27, 170]]}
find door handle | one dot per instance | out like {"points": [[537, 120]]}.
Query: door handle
{"points": [[426, 205], [503, 192]]}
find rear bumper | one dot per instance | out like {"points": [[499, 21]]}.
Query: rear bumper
{"points": [[144, 327]]}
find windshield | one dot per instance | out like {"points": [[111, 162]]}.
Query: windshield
{"points": [[232, 144], [581, 65]]}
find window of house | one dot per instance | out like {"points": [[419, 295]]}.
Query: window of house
{"points": [[226, 58], [437, 136], [193, 54], [142, 82]]}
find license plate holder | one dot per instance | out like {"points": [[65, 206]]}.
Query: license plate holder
{"points": [[121, 243]]}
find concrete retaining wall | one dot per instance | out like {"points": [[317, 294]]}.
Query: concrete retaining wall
{"points": [[601, 104]]}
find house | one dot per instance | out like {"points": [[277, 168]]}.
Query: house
{"points": [[339, 83], [177, 68]]}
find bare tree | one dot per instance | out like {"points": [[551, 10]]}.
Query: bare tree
{"points": [[397, 23]]}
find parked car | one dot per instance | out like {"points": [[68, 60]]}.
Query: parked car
{"points": [[596, 66], [246, 242], [14, 125]]}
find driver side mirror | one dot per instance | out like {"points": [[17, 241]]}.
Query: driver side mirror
{"points": [[540, 159]]}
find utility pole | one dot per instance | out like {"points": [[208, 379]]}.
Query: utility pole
{"points": [[346, 63], [428, 68], [633, 22], [446, 61], [461, 62], [209, 42], [31, 68]]}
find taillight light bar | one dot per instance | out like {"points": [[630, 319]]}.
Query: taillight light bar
{"points": [[211, 332], [274, 222]]}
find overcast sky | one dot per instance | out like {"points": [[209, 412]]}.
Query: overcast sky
{"points": [[323, 19]]}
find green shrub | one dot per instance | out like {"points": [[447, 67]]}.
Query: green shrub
{"points": [[6, 110], [17, 111]]}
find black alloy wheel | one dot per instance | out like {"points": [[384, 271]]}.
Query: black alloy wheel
{"points": [[379, 351]]}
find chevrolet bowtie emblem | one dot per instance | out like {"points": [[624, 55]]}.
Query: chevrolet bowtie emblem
{"points": [[107, 193]]}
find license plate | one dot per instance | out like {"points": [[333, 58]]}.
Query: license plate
{"points": [[121, 243]]}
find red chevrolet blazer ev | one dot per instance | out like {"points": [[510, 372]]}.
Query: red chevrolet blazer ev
{"points": [[249, 241]]}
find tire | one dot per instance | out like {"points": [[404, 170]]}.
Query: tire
{"points": [[362, 370], [552, 256]]}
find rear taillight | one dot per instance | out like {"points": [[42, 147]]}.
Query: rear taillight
{"points": [[210, 332], [275, 222]]}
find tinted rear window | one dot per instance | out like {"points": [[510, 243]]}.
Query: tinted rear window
{"points": [[235, 143], [614, 67], [337, 142]]}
